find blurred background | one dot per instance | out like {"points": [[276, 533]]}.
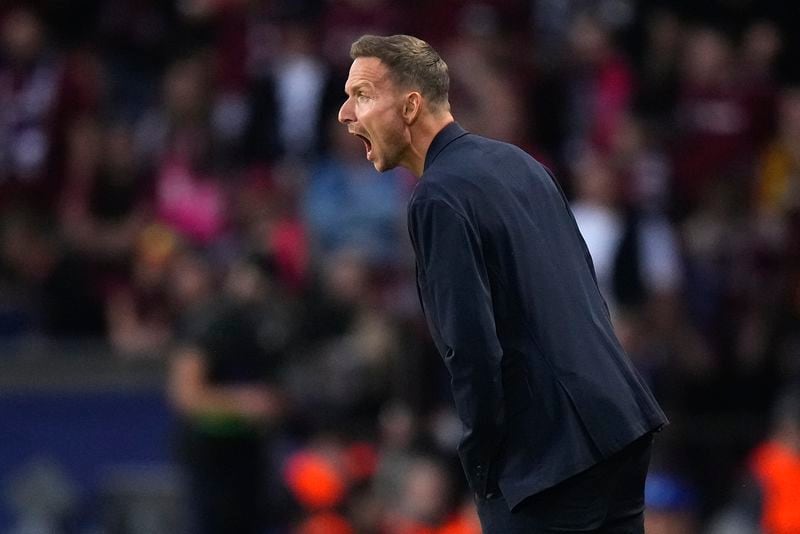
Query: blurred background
{"points": [[208, 318]]}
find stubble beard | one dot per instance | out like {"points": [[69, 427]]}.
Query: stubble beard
{"points": [[396, 146]]}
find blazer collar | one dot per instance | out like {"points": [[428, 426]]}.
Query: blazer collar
{"points": [[446, 135]]}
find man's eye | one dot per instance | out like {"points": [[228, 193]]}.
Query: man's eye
{"points": [[362, 97]]}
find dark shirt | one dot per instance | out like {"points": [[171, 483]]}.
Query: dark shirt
{"points": [[239, 348], [232, 337]]}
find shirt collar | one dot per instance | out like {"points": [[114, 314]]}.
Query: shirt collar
{"points": [[446, 135]]}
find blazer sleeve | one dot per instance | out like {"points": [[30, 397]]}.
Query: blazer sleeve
{"points": [[457, 302]]}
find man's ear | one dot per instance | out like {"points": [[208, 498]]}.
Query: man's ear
{"points": [[412, 106]]}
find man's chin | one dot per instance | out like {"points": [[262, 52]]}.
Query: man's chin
{"points": [[382, 166]]}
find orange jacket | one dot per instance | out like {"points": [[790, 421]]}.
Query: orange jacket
{"points": [[777, 469]]}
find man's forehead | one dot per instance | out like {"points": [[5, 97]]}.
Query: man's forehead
{"points": [[366, 70]]}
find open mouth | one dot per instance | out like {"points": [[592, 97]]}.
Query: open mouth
{"points": [[367, 144]]}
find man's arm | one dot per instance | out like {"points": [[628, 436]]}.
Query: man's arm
{"points": [[191, 394], [457, 302]]}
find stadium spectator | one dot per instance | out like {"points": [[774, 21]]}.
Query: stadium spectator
{"points": [[41, 89], [635, 253], [715, 118], [765, 500], [778, 187], [599, 86], [222, 384], [190, 196], [350, 206]]}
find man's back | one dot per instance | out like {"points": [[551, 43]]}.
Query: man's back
{"points": [[558, 392]]}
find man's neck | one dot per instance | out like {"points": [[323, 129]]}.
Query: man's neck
{"points": [[422, 135]]}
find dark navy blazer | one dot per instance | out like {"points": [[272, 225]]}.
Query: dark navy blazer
{"points": [[541, 384]]}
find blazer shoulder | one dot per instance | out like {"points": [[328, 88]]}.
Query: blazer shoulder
{"points": [[477, 155], [474, 158], [461, 162]]}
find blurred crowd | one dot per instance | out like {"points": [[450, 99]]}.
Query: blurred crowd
{"points": [[175, 186]]}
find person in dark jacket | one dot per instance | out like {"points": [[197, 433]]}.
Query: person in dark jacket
{"points": [[557, 423]]}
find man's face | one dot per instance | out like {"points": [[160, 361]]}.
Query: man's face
{"points": [[373, 112]]}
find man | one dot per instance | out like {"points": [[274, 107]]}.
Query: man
{"points": [[557, 423], [222, 386]]}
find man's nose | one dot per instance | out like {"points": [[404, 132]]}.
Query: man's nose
{"points": [[346, 113]]}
